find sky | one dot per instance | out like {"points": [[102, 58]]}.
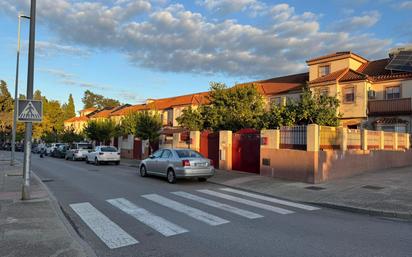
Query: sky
{"points": [[132, 50]]}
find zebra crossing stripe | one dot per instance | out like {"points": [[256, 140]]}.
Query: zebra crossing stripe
{"points": [[157, 223], [247, 202], [189, 211], [222, 206], [108, 231], [271, 199]]}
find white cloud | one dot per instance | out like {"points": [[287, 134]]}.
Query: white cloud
{"points": [[406, 5], [356, 23], [230, 6], [175, 39]]}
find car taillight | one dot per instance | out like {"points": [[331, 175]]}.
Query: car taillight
{"points": [[211, 162], [185, 163], [101, 153]]}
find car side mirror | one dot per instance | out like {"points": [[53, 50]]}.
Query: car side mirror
{"points": [[151, 156]]}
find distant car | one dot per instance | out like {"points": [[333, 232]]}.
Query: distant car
{"points": [[103, 154], [19, 147], [60, 152], [78, 151], [174, 163], [50, 148]]}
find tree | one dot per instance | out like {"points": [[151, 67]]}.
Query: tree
{"points": [[229, 109], [311, 109], [100, 131], [6, 111], [91, 99], [69, 136], [69, 109], [148, 126], [191, 119]]}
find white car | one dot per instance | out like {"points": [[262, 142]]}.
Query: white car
{"points": [[51, 147], [103, 154]]}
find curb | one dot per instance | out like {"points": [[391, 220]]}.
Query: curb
{"points": [[371, 212], [87, 250]]}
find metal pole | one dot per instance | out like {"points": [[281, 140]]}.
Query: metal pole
{"points": [[16, 88], [30, 78]]}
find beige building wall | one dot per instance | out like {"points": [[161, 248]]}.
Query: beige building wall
{"points": [[335, 65], [356, 109]]}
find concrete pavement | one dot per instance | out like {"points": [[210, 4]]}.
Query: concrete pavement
{"points": [[383, 193], [36, 227]]}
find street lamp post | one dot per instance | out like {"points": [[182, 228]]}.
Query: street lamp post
{"points": [[16, 89], [29, 125]]}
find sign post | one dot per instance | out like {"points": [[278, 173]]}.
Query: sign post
{"points": [[25, 194]]}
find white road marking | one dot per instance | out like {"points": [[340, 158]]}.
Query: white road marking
{"points": [[159, 224], [108, 231], [247, 202], [222, 206], [271, 199], [190, 211]]}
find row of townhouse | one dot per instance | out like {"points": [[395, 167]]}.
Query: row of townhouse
{"points": [[370, 95]]}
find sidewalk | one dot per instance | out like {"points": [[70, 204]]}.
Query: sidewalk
{"points": [[383, 193], [35, 227]]}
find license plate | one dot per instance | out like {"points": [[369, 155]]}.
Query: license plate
{"points": [[203, 164]]}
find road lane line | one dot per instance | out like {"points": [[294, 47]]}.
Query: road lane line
{"points": [[222, 206], [108, 231], [247, 202], [271, 199], [189, 211], [157, 223]]}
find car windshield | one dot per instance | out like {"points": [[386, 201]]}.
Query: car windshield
{"points": [[188, 154], [85, 146], [109, 149]]}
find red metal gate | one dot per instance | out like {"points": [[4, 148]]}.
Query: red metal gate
{"points": [[137, 149], [246, 150], [209, 146]]}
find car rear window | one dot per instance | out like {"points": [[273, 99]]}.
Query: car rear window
{"points": [[85, 146], [108, 149], [188, 154]]}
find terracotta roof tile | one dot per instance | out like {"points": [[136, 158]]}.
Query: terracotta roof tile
{"points": [[129, 109], [80, 118], [377, 72], [390, 120], [330, 77], [334, 55]]}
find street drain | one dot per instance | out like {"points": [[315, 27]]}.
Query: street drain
{"points": [[47, 180], [373, 187], [315, 188]]}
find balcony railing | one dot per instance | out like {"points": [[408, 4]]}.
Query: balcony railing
{"points": [[390, 107]]}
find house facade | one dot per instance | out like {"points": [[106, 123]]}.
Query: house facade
{"points": [[370, 95]]}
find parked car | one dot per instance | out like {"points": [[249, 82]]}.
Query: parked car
{"points": [[50, 148], [60, 152], [19, 147], [103, 154], [174, 163], [78, 151]]}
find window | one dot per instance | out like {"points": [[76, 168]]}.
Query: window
{"points": [[166, 154], [109, 149], [393, 92], [276, 100], [157, 154], [323, 92], [349, 95], [324, 70], [188, 154]]}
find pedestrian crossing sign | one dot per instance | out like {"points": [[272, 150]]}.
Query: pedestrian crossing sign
{"points": [[30, 111]]}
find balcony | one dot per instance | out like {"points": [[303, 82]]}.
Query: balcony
{"points": [[399, 106]]}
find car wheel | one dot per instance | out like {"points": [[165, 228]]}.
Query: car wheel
{"points": [[66, 158], [171, 176], [202, 179], [96, 162], [117, 162], [87, 160], [143, 171]]}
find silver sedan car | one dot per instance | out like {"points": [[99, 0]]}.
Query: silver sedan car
{"points": [[174, 163]]}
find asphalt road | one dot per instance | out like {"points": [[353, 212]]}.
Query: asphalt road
{"points": [[141, 220]]}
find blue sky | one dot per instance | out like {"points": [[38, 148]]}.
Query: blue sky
{"points": [[132, 50]]}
